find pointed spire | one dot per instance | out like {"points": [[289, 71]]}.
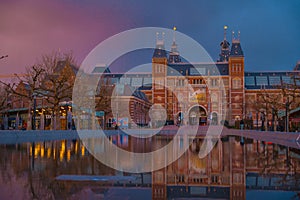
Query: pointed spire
{"points": [[234, 39], [174, 54], [174, 45], [236, 49], [224, 54], [174, 30], [225, 29], [160, 44]]}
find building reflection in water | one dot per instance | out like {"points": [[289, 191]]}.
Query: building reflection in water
{"points": [[226, 172]]}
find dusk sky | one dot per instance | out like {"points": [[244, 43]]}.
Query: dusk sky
{"points": [[270, 30]]}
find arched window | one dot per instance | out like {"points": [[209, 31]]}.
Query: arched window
{"points": [[214, 97], [236, 83]]}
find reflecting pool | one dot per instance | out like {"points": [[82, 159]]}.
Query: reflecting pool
{"points": [[234, 169]]}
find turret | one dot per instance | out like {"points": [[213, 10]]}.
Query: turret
{"points": [[174, 56], [225, 48], [159, 71], [236, 77]]}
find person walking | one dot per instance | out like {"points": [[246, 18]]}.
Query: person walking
{"points": [[242, 124]]}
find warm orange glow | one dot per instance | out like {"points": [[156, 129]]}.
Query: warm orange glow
{"points": [[37, 150], [68, 155], [30, 150], [63, 146], [42, 152], [48, 153], [76, 147], [61, 156], [82, 150], [62, 150], [54, 154]]}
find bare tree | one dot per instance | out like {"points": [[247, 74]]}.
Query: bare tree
{"points": [[103, 98], [285, 95], [291, 91], [3, 97], [58, 82], [25, 87]]}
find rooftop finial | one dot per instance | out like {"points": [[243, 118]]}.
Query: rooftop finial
{"points": [[225, 29], [233, 35], [174, 29], [160, 40], [239, 34]]}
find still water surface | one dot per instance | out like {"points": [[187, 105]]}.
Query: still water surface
{"points": [[233, 170]]}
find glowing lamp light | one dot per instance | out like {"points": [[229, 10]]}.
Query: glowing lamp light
{"points": [[48, 153], [42, 152], [225, 27], [174, 28], [68, 155]]}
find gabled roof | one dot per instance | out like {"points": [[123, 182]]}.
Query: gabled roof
{"points": [[61, 65], [100, 70], [24, 85], [126, 90]]}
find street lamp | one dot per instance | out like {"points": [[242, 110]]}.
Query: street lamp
{"points": [[262, 120], [287, 104], [273, 118], [257, 120], [34, 112]]}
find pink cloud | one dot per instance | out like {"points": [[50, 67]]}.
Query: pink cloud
{"points": [[32, 28]]}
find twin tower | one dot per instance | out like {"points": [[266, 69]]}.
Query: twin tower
{"points": [[168, 87]]}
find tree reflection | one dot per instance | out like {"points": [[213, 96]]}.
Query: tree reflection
{"points": [[276, 159], [34, 167]]}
